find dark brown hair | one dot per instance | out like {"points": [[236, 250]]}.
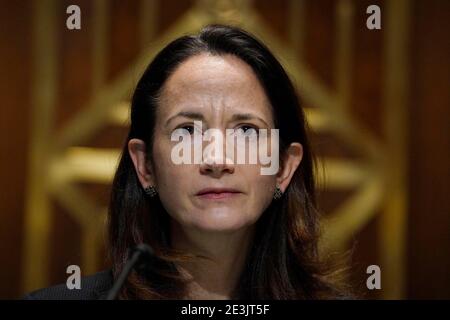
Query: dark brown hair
{"points": [[283, 262]]}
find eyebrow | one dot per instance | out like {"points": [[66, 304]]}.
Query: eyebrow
{"points": [[187, 114], [247, 116], [199, 116]]}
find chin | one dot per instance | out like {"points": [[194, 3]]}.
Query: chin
{"points": [[221, 223]]}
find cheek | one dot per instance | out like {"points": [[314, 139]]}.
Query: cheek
{"points": [[170, 176], [261, 187], [175, 182]]}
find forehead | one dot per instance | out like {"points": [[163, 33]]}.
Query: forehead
{"points": [[208, 82]]}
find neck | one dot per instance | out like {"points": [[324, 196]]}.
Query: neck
{"points": [[217, 276]]}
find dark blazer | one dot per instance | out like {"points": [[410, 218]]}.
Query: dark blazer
{"points": [[94, 287]]}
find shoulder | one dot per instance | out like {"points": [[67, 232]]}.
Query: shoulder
{"points": [[93, 287]]}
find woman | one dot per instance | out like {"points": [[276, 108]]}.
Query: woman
{"points": [[219, 229]]}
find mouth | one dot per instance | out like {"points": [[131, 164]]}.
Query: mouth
{"points": [[218, 193]]}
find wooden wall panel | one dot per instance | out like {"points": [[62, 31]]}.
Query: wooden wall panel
{"points": [[15, 81], [429, 153]]}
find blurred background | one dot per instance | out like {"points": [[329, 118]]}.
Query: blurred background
{"points": [[377, 102]]}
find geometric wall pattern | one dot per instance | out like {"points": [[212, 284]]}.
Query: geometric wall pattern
{"points": [[59, 160]]}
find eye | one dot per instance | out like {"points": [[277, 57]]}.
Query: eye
{"points": [[247, 130], [188, 127]]}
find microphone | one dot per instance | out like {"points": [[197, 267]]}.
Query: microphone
{"points": [[141, 254]]}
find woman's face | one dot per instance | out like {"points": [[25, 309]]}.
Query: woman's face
{"points": [[214, 90]]}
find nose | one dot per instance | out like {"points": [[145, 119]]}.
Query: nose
{"points": [[215, 166]]}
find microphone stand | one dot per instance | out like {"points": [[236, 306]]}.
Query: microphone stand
{"points": [[140, 254]]}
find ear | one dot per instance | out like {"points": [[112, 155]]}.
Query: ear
{"points": [[290, 162], [137, 150]]}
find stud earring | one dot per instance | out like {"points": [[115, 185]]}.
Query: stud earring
{"points": [[150, 191], [278, 193]]}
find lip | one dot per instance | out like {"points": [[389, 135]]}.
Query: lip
{"points": [[217, 193]]}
